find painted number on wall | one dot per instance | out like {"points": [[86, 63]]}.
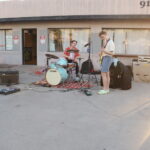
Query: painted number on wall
{"points": [[144, 3]]}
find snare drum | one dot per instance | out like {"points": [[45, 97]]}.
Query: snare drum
{"points": [[71, 65], [56, 76]]}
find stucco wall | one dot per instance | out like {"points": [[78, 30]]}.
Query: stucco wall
{"points": [[28, 8], [15, 57]]}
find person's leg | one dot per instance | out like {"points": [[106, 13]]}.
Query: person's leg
{"points": [[105, 82], [108, 80], [105, 74], [104, 79], [77, 68], [69, 61], [108, 64]]}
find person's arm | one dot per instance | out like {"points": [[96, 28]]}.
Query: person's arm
{"points": [[110, 48], [100, 53], [108, 52], [77, 56], [65, 54]]}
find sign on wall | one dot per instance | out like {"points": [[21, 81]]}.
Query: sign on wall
{"points": [[42, 43], [16, 39], [42, 39]]}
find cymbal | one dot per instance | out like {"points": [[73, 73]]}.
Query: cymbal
{"points": [[73, 50], [51, 56]]}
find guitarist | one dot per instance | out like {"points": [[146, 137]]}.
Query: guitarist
{"points": [[106, 53]]}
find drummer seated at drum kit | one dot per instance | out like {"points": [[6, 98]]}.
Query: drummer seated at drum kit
{"points": [[71, 54]]}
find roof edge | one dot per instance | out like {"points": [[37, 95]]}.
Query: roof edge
{"points": [[73, 17]]}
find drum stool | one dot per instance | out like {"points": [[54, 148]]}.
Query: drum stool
{"points": [[70, 69]]}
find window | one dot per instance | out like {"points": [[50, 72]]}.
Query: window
{"points": [[131, 41], [6, 40], [59, 39], [9, 40], [2, 40]]}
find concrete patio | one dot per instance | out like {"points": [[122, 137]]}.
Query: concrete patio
{"points": [[40, 118]]}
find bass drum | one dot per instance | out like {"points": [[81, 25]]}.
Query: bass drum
{"points": [[56, 76]]}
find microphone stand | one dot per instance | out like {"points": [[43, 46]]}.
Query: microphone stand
{"points": [[89, 60], [87, 90]]}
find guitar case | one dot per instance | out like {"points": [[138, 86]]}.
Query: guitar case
{"points": [[120, 76]]}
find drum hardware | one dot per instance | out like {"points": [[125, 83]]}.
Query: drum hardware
{"points": [[73, 50], [89, 59], [48, 57], [71, 68], [80, 58], [53, 70], [87, 44], [87, 90], [51, 56]]}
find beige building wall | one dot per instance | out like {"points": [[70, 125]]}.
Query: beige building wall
{"points": [[29, 8], [15, 56]]}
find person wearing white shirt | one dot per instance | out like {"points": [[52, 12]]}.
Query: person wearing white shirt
{"points": [[106, 52]]}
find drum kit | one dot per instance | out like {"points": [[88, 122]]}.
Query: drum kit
{"points": [[58, 72]]}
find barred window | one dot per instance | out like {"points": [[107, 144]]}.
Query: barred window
{"points": [[131, 41], [6, 40], [59, 39]]}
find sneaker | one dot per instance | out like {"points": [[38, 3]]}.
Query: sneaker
{"points": [[102, 92], [108, 91]]}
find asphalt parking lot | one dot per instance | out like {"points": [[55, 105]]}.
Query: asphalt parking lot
{"points": [[40, 118]]}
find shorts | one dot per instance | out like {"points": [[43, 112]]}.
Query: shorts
{"points": [[106, 63]]}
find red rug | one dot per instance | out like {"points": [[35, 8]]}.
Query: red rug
{"points": [[67, 85], [74, 85]]}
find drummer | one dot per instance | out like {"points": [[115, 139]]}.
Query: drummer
{"points": [[71, 54]]}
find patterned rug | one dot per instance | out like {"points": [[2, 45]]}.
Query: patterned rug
{"points": [[67, 85], [75, 85]]}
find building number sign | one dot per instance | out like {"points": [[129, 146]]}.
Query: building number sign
{"points": [[145, 3]]}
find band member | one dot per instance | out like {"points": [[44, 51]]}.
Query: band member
{"points": [[71, 54], [106, 53]]}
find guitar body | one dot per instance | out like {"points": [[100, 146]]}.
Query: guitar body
{"points": [[101, 58], [102, 54]]}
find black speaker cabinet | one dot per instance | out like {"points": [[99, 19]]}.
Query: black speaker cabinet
{"points": [[9, 77]]}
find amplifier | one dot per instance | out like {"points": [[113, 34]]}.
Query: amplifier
{"points": [[9, 77], [141, 71]]}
